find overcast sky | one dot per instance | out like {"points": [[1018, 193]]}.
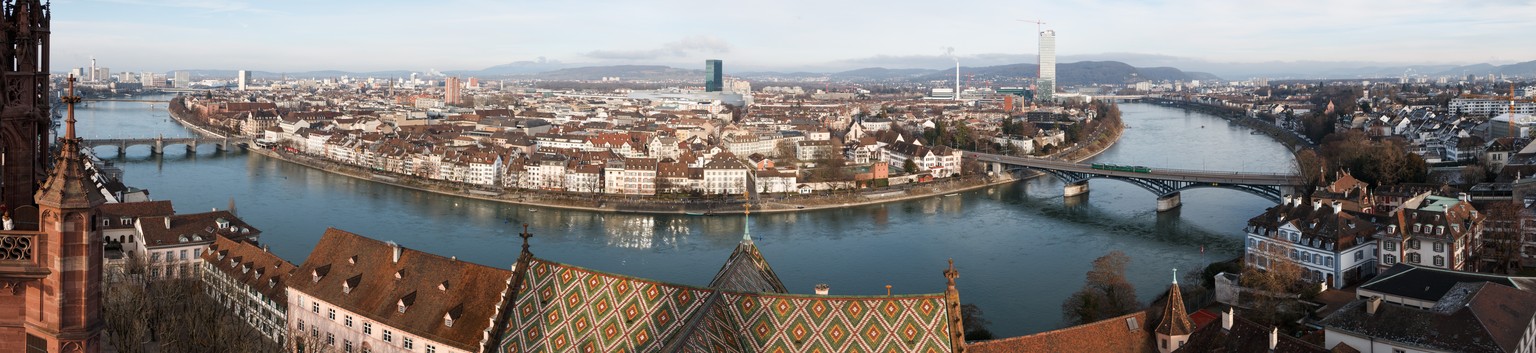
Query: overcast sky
{"points": [[302, 35]]}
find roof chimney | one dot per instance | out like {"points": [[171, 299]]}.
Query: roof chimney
{"points": [[823, 289], [1372, 304], [1226, 320], [1338, 207], [394, 248], [1274, 338], [1317, 205], [167, 222]]}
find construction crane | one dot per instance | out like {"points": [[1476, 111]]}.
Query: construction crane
{"points": [[1039, 25]]}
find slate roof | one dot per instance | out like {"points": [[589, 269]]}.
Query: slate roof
{"points": [[1128, 333], [1244, 336], [568, 308], [746, 270], [1472, 317], [432, 286], [1431, 284], [1174, 321]]}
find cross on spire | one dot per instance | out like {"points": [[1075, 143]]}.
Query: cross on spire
{"points": [[71, 99], [525, 235]]}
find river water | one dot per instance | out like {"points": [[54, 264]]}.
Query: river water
{"points": [[1020, 249]]}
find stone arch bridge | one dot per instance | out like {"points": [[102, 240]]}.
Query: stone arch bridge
{"points": [[157, 144]]}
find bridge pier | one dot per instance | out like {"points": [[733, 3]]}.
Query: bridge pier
{"points": [[122, 149], [158, 148], [1074, 189], [192, 149], [1169, 202]]}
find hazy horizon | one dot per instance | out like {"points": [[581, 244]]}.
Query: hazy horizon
{"points": [[794, 35]]}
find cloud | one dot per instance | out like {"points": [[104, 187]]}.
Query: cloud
{"points": [[680, 48]]}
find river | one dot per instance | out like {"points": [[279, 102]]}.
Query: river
{"points": [[1020, 248]]}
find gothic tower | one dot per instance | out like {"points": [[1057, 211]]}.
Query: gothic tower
{"points": [[70, 297], [24, 115]]}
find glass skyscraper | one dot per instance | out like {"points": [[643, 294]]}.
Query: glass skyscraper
{"points": [[714, 79]]}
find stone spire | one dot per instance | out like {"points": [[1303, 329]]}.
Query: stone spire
{"points": [[503, 316], [69, 185], [952, 306], [1174, 327]]}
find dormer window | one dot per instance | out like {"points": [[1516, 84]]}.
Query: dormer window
{"points": [[350, 283], [399, 274], [400, 306], [181, 239], [448, 320], [406, 301], [352, 260], [442, 286], [271, 282], [222, 223], [319, 272]]}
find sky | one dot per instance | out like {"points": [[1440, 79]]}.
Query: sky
{"points": [[778, 35]]}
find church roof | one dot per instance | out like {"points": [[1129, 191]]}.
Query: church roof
{"points": [[567, 308], [746, 270], [1126, 333]]}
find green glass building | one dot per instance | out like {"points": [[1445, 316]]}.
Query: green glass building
{"points": [[714, 78]]}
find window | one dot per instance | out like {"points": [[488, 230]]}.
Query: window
{"points": [[1413, 244], [388, 336], [314, 332], [349, 320], [1413, 257], [1359, 255], [1390, 245], [1389, 259], [317, 307], [367, 328], [197, 253], [1439, 260], [183, 255], [301, 325], [154, 257], [330, 339], [405, 342], [330, 313], [1165, 343], [431, 349], [1439, 247], [346, 346], [1328, 261]]}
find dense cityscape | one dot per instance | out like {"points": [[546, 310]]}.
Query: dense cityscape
{"points": [[544, 206]]}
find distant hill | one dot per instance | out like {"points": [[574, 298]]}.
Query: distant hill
{"points": [[1078, 73], [879, 74], [636, 72], [1518, 69]]}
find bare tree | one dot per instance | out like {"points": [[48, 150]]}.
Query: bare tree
{"points": [[1106, 293], [1274, 282], [1502, 232]]}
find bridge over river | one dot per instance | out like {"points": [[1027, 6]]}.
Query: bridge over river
{"points": [[1165, 183], [157, 144]]}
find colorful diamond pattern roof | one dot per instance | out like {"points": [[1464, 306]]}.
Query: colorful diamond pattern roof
{"points": [[752, 322], [565, 308]]}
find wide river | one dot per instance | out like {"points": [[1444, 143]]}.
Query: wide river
{"points": [[1021, 248]]}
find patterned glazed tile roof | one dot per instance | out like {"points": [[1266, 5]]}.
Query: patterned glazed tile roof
{"points": [[756, 322], [568, 308], [563, 308]]}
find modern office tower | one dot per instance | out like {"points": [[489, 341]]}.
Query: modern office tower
{"points": [[714, 80], [1047, 83]]}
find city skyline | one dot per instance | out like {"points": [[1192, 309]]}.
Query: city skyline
{"points": [[473, 35]]}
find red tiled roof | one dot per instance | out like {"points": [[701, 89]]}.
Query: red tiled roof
{"points": [[1128, 333], [255, 267], [434, 285]]}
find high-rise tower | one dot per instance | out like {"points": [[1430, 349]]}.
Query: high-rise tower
{"points": [[1046, 86], [24, 122], [714, 78]]}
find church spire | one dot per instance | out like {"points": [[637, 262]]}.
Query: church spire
{"points": [[746, 221], [69, 185]]}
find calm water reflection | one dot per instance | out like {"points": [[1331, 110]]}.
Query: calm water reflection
{"points": [[1021, 248]]}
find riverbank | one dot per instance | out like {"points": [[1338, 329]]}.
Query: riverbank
{"points": [[1290, 139], [1103, 139]]}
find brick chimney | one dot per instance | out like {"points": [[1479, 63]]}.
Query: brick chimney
{"points": [[823, 289], [1372, 304]]}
